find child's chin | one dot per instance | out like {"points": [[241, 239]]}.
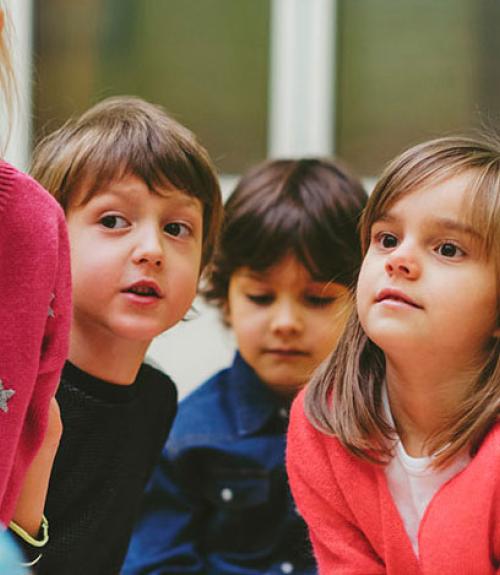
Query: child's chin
{"points": [[141, 332]]}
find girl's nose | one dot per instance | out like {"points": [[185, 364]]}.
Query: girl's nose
{"points": [[286, 319], [402, 262], [149, 249]]}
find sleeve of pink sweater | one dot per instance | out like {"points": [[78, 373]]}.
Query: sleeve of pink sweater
{"points": [[35, 312], [339, 545]]}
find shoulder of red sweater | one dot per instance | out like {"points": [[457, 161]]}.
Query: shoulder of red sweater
{"points": [[18, 186], [491, 442], [7, 176], [303, 431]]}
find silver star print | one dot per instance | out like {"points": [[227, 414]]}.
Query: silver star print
{"points": [[51, 309], [5, 395]]}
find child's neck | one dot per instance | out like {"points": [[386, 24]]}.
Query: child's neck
{"points": [[421, 397], [113, 361]]}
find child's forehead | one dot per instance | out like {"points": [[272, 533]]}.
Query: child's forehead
{"points": [[451, 187], [130, 188], [289, 267]]}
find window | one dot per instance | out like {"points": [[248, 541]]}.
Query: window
{"points": [[413, 70], [206, 62]]}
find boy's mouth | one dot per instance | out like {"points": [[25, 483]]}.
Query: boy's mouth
{"points": [[145, 288], [286, 352]]}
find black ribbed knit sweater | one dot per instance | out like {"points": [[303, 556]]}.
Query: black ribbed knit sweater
{"points": [[113, 436]]}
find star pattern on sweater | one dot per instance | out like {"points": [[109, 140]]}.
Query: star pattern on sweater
{"points": [[5, 395], [51, 309]]}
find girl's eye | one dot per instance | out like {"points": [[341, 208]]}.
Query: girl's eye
{"points": [[449, 250], [114, 222], [319, 301], [177, 229], [387, 240], [261, 299]]}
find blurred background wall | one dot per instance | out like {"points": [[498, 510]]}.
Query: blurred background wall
{"points": [[361, 79]]}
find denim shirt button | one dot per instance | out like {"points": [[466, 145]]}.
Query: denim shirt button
{"points": [[226, 494], [286, 567], [283, 413]]}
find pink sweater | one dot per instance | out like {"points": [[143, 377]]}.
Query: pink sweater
{"points": [[35, 316], [355, 527]]}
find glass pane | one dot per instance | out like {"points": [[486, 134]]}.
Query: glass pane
{"points": [[206, 61], [413, 70]]}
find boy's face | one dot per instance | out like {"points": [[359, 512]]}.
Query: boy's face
{"points": [[135, 260], [285, 323]]}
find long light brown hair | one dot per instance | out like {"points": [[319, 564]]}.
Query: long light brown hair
{"points": [[344, 396]]}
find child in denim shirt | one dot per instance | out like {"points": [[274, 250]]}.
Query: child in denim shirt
{"points": [[219, 501]]}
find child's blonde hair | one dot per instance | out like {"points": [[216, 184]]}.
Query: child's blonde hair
{"points": [[344, 397], [127, 135], [7, 82]]}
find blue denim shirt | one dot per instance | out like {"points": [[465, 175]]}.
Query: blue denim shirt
{"points": [[219, 502]]}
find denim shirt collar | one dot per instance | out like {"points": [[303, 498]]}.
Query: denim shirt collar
{"points": [[250, 400]]}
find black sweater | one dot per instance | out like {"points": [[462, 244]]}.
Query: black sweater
{"points": [[113, 436]]}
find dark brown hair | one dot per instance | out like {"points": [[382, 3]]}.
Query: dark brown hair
{"points": [[127, 135], [344, 398], [308, 207]]}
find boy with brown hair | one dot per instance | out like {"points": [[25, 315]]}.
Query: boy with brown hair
{"points": [[143, 207], [218, 503]]}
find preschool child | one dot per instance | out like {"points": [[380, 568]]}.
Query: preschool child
{"points": [[219, 501], [143, 206], [394, 448], [35, 313]]}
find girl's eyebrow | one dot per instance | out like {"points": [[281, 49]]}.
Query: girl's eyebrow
{"points": [[456, 226], [446, 223]]}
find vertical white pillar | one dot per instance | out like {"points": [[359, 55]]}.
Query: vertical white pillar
{"points": [[302, 75], [21, 16]]}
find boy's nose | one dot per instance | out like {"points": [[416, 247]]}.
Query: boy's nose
{"points": [[402, 262], [286, 319], [149, 250]]}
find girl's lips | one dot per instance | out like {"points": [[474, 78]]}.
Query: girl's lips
{"points": [[396, 296]]}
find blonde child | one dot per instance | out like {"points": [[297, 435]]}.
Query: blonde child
{"points": [[394, 448], [34, 325], [143, 204], [219, 502]]}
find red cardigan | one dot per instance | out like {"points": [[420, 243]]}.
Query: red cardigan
{"points": [[356, 529], [35, 315]]}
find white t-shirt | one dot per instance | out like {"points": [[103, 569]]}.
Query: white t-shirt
{"points": [[413, 482]]}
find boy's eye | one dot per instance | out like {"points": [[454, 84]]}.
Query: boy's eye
{"points": [[113, 222], [387, 240], [319, 301], [449, 250], [177, 229], [261, 299]]}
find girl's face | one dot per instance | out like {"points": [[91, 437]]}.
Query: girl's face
{"points": [[425, 287], [285, 323]]}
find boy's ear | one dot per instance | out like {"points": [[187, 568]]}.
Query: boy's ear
{"points": [[226, 313]]}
